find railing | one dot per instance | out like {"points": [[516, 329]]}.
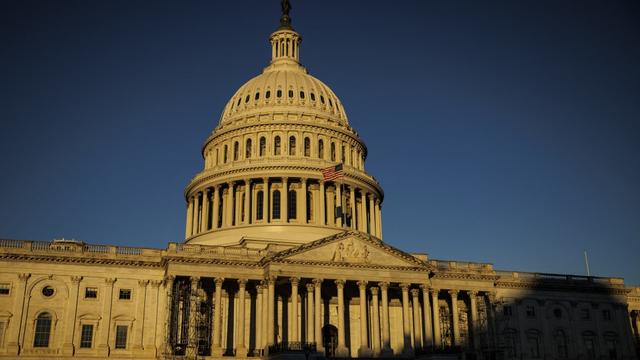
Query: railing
{"points": [[461, 265], [292, 346], [219, 251], [550, 277], [77, 247]]}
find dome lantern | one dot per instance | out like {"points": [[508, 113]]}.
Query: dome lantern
{"points": [[285, 41]]}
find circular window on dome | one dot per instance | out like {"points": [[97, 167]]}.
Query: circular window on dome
{"points": [[48, 291]]}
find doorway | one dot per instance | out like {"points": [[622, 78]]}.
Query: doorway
{"points": [[330, 340]]}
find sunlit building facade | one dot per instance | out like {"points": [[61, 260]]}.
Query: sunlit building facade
{"points": [[284, 256]]}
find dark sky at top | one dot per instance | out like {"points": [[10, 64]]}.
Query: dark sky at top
{"points": [[501, 131]]}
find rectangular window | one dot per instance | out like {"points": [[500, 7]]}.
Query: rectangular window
{"points": [[506, 310], [91, 293], [121, 336], [606, 315], [5, 289], [86, 336], [584, 314], [125, 294], [531, 311]]}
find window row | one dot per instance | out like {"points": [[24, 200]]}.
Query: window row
{"points": [[280, 94], [43, 330], [234, 154], [530, 312], [92, 293]]}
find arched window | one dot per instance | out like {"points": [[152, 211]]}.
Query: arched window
{"points": [[301, 94], [236, 150], [291, 206], [43, 330], [248, 149], [333, 151], [533, 343], [225, 153], [561, 344], [259, 204], [257, 96], [247, 98], [313, 97], [279, 93], [267, 94], [290, 93], [276, 145], [320, 149], [275, 211], [307, 147], [263, 146], [292, 145]]}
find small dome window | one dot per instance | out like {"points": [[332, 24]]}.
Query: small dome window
{"points": [[257, 96], [290, 93], [279, 93], [313, 97], [330, 102], [247, 99], [267, 94], [301, 94], [322, 99], [239, 100]]}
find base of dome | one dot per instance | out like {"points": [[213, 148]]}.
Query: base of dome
{"points": [[260, 236]]}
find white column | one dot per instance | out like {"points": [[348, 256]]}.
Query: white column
{"points": [[68, 346], [265, 315], [426, 314], [196, 214], [103, 342], [352, 200], [217, 325], [406, 313], [375, 322], [321, 199], [302, 209], [192, 346], [265, 200], [204, 224], [474, 318], [310, 313], [417, 323], [216, 207], [363, 351], [140, 310], [378, 219], [386, 343], [342, 350], [259, 333], [339, 204], [294, 309], [271, 282], [372, 216], [363, 211], [284, 204], [318, 313], [165, 291], [241, 348], [189, 223], [247, 201], [454, 315], [436, 317]]}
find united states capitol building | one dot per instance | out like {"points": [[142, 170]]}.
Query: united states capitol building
{"points": [[283, 260]]}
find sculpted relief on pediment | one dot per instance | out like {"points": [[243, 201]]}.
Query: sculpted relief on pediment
{"points": [[351, 253]]}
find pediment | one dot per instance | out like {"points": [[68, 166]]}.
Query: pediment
{"points": [[349, 248]]}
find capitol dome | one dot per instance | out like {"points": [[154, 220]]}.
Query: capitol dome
{"points": [[265, 180]]}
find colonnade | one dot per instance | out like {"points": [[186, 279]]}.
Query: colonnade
{"points": [[265, 201], [303, 317]]}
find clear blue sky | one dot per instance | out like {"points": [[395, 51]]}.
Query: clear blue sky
{"points": [[501, 131]]}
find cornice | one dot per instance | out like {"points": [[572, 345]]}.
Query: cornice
{"points": [[535, 285], [84, 260]]}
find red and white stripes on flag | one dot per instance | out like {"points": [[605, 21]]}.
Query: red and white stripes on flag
{"points": [[332, 172]]}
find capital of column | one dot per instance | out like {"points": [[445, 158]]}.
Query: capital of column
{"points": [[218, 281], [434, 291], [405, 286], [310, 287], [23, 276], [143, 283], [374, 290], [424, 287], [242, 283], [453, 293], [110, 281], [216, 187], [195, 281], [270, 280], [339, 283], [362, 284], [155, 283], [472, 293], [492, 296], [415, 292], [76, 279], [260, 288], [384, 285], [294, 280], [317, 282]]}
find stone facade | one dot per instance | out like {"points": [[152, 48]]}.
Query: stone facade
{"points": [[283, 256]]}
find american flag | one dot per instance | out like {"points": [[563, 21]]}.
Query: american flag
{"points": [[332, 172]]}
